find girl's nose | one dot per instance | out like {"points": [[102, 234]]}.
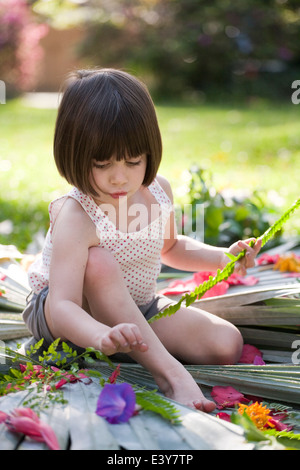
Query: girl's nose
{"points": [[118, 176]]}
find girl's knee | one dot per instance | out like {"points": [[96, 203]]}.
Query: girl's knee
{"points": [[100, 264], [230, 349]]}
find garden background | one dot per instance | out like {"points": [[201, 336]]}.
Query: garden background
{"points": [[224, 78]]}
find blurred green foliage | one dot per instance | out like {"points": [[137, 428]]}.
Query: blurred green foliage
{"points": [[254, 147], [196, 47], [21, 221], [228, 216]]}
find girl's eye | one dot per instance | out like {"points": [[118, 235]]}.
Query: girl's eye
{"points": [[134, 163], [101, 166]]}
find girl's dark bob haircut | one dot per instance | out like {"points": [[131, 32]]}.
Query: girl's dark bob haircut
{"points": [[104, 113]]}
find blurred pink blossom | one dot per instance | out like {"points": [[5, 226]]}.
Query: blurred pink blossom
{"points": [[20, 50], [26, 421]]}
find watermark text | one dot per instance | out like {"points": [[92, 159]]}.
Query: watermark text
{"points": [[151, 224], [2, 352], [2, 92], [296, 94], [296, 354]]}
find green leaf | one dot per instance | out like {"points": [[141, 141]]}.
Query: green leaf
{"points": [[230, 256], [252, 433], [16, 373], [286, 438], [151, 401]]}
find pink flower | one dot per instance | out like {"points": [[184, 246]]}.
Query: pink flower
{"points": [[251, 355], [267, 259], [26, 421], [278, 425], [226, 397], [224, 416], [180, 286]]}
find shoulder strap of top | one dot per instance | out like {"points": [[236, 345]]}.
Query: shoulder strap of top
{"points": [[88, 205], [159, 193], [86, 202]]}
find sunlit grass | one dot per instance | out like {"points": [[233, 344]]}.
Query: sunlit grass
{"points": [[254, 147]]}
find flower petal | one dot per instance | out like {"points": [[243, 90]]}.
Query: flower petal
{"points": [[258, 361], [227, 396], [49, 436], [24, 425], [224, 416], [26, 421], [113, 378], [26, 412], [278, 425], [249, 353], [3, 416]]}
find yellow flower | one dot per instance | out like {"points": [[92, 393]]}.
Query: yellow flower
{"points": [[289, 263], [258, 413]]}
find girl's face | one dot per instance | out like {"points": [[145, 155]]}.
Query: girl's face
{"points": [[114, 179]]}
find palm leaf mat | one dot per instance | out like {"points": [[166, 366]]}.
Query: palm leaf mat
{"points": [[268, 316]]}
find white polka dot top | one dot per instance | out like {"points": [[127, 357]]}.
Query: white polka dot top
{"points": [[138, 252]]}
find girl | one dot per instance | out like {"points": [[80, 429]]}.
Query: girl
{"points": [[95, 283]]}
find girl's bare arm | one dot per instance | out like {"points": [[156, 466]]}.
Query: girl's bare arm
{"points": [[73, 235], [183, 252]]}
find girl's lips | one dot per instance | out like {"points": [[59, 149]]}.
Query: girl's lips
{"points": [[117, 195]]}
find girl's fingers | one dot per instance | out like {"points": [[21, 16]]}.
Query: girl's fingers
{"points": [[248, 261], [107, 346], [127, 337]]}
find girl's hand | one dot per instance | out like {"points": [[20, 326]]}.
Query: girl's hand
{"points": [[124, 337], [248, 261]]}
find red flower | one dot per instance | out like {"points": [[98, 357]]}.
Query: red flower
{"points": [[39, 372], [71, 378], [224, 416], [113, 378], [227, 397]]}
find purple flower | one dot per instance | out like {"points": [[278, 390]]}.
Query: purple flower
{"points": [[258, 361], [116, 403]]}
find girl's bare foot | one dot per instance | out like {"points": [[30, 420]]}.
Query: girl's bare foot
{"points": [[181, 387]]}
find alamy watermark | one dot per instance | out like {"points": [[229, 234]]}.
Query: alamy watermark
{"points": [[2, 92], [150, 225], [296, 94], [296, 354], [2, 352]]}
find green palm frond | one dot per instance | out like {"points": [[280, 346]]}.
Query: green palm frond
{"points": [[278, 382]]}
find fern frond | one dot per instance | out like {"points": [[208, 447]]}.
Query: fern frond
{"points": [[279, 223], [154, 402], [228, 270]]}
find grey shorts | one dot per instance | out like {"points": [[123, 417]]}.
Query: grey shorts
{"points": [[34, 316]]}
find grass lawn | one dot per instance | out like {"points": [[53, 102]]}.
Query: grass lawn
{"points": [[255, 146]]}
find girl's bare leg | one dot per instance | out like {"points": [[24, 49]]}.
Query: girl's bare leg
{"points": [[198, 337], [109, 302]]}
